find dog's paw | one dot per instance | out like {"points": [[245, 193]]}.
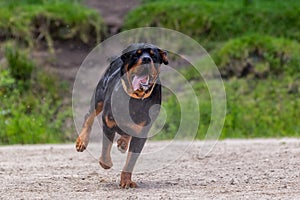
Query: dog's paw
{"points": [[128, 184], [126, 181], [122, 144], [80, 145], [105, 164]]}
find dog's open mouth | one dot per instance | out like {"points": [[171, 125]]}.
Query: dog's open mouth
{"points": [[140, 82], [142, 79]]}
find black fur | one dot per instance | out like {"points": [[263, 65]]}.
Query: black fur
{"points": [[126, 109]]}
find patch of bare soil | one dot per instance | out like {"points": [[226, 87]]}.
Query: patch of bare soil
{"points": [[113, 11], [69, 55], [235, 169]]}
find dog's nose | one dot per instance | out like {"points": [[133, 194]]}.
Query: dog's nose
{"points": [[146, 60]]}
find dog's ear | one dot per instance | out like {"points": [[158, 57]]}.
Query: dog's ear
{"points": [[164, 57]]}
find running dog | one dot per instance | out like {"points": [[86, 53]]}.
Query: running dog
{"points": [[133, 80]]}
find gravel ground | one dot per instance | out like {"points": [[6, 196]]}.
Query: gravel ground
{"points": [[235, 169]]}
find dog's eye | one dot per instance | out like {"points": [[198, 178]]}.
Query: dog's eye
{"points": [[151, 52], [139, 52]]}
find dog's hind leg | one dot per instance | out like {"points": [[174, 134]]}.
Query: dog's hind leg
{"points": [[108, 138], [83, 138], [123, 142]]}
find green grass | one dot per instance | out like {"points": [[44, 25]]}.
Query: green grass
{"points": [[34, 106], [264, 108], [263, 55], [255, 45], [32, 21], [255, 109], [211, 22], [32, 110], [20, 67]]}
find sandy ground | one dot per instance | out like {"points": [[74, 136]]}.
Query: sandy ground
{"points": [[235, 169]]}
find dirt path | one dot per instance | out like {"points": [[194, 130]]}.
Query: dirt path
{"points": [[236, 169], [70, 54], [113, 11]]}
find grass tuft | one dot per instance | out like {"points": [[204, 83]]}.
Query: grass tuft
{"points": [[32, 21], [258, 55]]}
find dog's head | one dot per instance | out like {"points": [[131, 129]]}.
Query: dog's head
{"points": [[141, 67]]}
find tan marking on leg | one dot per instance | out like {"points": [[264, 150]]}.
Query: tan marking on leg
{"points": [[99, 108], [123, 142], [126, 181], [83, 138], [105, 164], [137, 128], [105, 159], [109, 123]]}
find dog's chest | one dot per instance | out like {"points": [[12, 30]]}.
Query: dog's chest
{"points": [[133, 114]]}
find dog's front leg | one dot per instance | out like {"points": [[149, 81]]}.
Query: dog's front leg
{"points": [[83, 138], [135, 148]]}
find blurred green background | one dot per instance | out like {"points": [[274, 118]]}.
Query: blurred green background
{"points": [[255, 44]]}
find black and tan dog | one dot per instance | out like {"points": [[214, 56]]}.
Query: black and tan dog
{"points": [[134, 76]]}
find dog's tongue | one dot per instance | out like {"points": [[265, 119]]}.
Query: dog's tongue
{"points": [[137, 80]]}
